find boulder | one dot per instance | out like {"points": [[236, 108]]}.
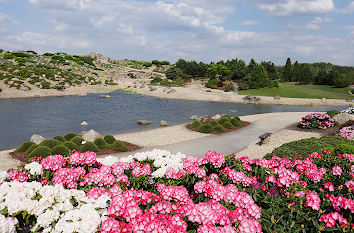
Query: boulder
{"points": [[163, 123], [105, 96], [323, 100], [343, 118], [36, 138], [15, 79], [153, 89], [194, 117], [143, 122], [171, 91], [142, 86], [216, 117], [277, 97], [82, 133], [233, 110], [91, 135], [84, 123], [10, 82], [24, 88], [205, 119]]}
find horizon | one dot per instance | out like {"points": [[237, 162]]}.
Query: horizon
{"points": [[318, 31]]}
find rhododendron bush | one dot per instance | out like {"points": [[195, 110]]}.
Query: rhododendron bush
{"points": [[347, 132], [158, 191], [316, 121]]}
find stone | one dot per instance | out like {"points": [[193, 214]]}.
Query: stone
{"points": [[163, 123], [143, 122], [233, 110], [36, 138], [216, 117], [153, 89], [24, 88], [171, 91], [15, 79], [91, 135], [105, 96], [84, 123], [194, 117], [323, 100], [82, 133], [142, 86], [10, 82], [205, 119], [38, 83], [343, 118], [277, 97], [208, 90]]}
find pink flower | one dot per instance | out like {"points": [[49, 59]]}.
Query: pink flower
{"points": [[337, 170], [313, 200], [329, 186], [331, 219]]}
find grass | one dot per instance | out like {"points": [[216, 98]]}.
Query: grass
{"points": [[128, 91], [291, 90], [344, 90]]}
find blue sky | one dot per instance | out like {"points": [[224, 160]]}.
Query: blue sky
{"points": [[202, 30]]}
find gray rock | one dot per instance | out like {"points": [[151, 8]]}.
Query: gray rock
{"points": [[36, 138], [38, 83], [216, 117], [84, 123], [171, 91], [194, 117], [277, 97], [91, 135], [10, 82], [205, 119], [153, 89], [343, 118], [142, 86], [208, 90], [82, 133], [323, 100], [24, 88], [15, 79], [163, 123], [143, 122]]}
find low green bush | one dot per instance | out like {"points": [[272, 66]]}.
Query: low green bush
{"points": [[40, 151], [110, 139], [1, 50], [31, 148], [273, 83], [156, 80], [100, 143], [219, 128], [46, 85], [89, 146], [195, 124], [77, 140], [205, 128], [212, 83], [119, 146], [229, 88], [24, 146], [8, 56], [61, 150], [213, 123], [307, 146], [224, 118], [20, 54], [343, 149], [228, 125], [236, 121], [332, 113], [51, 142], [69, 136], [60, 138], [70, 145]]}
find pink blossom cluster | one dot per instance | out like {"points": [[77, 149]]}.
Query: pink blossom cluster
{"points": [[77, 158], [191, 165], [172, 174], [313, 201], [100, 177], [217, 160], [286, 177], [336, 170], [239, 177], [142, 171], [316, 120], [341, 202], [68, 177], [310, 169], [347, 132], [53, 162], [331, 219], [15, 175]]}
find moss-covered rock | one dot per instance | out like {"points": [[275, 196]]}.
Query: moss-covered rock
{"points": [[69, 136], [228, 125], [219, 128], [61, 150], [119, 146], [89, 146], [206, 128], [24, 146], [40, 151], [71, 146], [110, 139], [51, 142], [101, 143], [77, 140], [195, 124]]}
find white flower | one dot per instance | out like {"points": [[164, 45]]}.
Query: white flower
{"points": [[108, 160], [34, 168], [83, 142], [7, 225], [3, 176]]}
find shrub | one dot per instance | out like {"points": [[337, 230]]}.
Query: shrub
{"points": [[195, 124], [213, 123], [156, 80], [8, 56], [347, 132], [224, 118], [24, 146], [236, 121], [343, 149], [100, 143], [31, 148], [46, 85], [332, 113], [119, 146], [212, 83], [89, 146], [60, 150], [205, 128], [20, 54], [60, 138], [316, 120], [228, 125], [219, 128], [165, 63], [69, 136], [71, 146], [51, 142], [273, 83], [110, 139], [1, 50], [40, 151], [77, 140], [229, 88], [307, 146], [147, 64], [155, 62]]}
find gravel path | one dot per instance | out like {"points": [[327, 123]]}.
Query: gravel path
{"points": [[6, 160]]}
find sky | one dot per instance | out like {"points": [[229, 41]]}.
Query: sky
{"points": [[201, 30]]}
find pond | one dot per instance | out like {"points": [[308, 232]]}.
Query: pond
{"points": [[51, 116]]}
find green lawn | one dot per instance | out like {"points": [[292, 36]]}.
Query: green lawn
{"points": [[295, 91]]}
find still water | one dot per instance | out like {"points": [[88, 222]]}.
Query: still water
{"points": [[51, 116]]}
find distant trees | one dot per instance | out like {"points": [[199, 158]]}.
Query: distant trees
{"points": [[258, 77], [238, 69], [192, 68], [174, 73], [288, 71], [216, 71]]}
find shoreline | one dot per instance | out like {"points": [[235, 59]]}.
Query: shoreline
{"points": [[194, 92]]}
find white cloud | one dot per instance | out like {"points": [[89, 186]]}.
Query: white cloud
{"points": [[250, 22], [295, 7], [348, 9], [4, 18]]}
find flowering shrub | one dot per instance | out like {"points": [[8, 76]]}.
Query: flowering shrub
{"points": [[316, 121], [158, 191], [349, 110], [347, 132]]}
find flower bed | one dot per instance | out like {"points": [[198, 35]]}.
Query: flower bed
{"points": [[162, 192], [347, 132], [316, 121]]}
